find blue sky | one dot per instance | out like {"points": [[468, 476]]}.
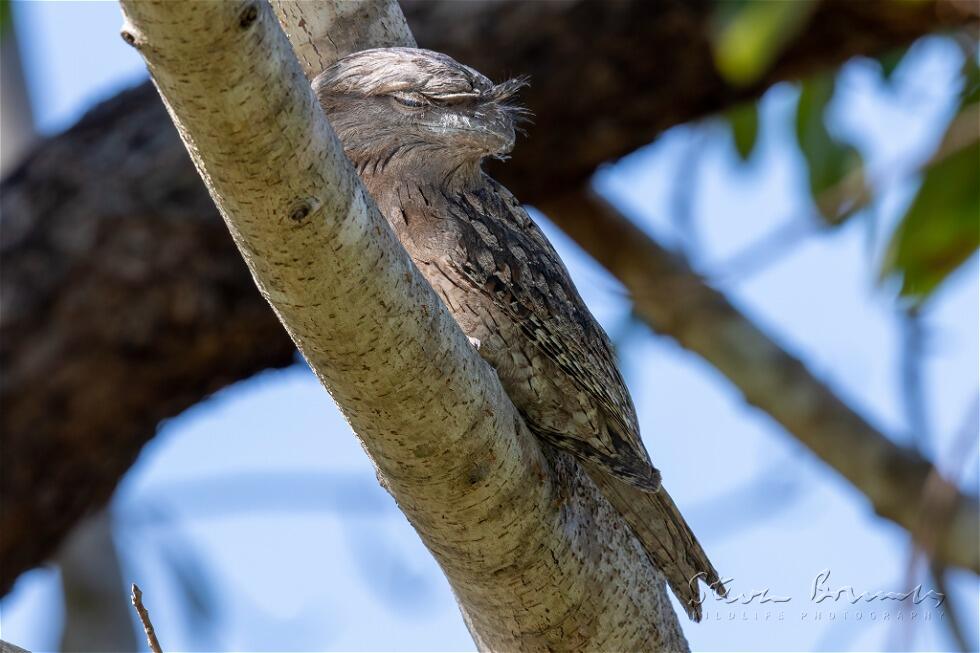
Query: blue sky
{"points": [[263, 496]]}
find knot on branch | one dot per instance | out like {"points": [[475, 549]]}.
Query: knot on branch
{"points": [[248, 16], [130, 36]]}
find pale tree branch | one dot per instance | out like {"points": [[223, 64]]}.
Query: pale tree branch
{"points": [[322, 32], [675, 301], [537, 559]]}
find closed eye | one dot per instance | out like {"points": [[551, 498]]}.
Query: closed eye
{"points": [[450, 99], [412, 100]]}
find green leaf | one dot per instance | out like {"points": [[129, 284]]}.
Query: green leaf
{"points": [[970, 94], [744, 123], [750, 35], [5, 17], [941, 228], [834, 169]]}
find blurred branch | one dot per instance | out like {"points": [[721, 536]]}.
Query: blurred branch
{"points": [[938, 504], [766, 250], [144, 615], [96, 617], [774, 492], [675, 301], [953, 617], [125, 302], [223, 494], [911, 358], [686, 175]]}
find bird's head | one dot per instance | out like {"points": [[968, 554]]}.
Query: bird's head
{"points": [[417, 110]]}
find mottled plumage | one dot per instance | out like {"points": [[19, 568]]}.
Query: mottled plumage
{"points": [[417, 126]]}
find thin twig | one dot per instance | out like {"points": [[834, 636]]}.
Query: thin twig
{"points": [[935, 512], [151, 636], [766, 250], [953, 617], [684, 187], [911, 357]]}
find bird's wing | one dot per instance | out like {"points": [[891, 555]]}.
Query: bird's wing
{"points": [[522, 273]]}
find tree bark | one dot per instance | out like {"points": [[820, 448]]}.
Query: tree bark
{"points": [[120, 287], [536, 557]]}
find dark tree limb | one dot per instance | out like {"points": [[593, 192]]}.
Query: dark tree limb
{"points": [[124, 301]]}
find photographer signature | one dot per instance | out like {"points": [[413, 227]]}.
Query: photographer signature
{"points": [[821, 590]]}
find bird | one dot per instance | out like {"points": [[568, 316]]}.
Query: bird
{"points": [[418, 126]]}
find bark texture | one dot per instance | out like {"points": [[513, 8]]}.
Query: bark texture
{"points": [[537, 559], [115, 264]]}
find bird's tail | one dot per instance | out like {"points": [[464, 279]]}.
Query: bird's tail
{"points": [[665, 535]]}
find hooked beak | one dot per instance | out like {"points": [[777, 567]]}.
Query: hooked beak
{"points": [[501, 95], [506, 90]]}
